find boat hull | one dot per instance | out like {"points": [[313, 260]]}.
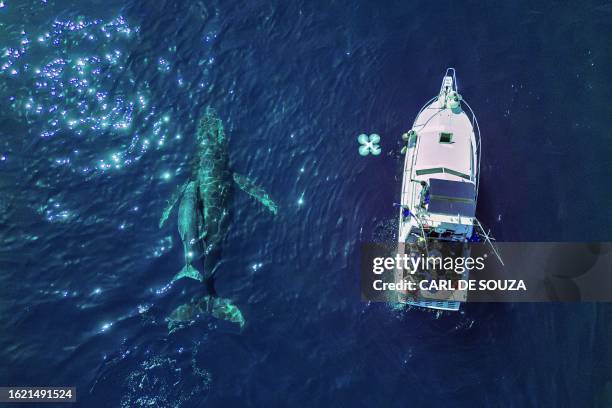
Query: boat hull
{"points": [[439, 186]]}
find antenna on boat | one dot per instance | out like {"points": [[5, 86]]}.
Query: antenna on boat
{"points": [[487, 238]]}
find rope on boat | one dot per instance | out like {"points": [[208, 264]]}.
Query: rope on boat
{"points": [[488, 241]]}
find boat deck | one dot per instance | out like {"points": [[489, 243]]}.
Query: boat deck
{"points": [[431, 157], [455, 155]]}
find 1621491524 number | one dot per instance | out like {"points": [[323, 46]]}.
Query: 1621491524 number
{"points": [[37, 394]]}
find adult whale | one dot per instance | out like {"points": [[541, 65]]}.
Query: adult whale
{"points": [[203, 219]]}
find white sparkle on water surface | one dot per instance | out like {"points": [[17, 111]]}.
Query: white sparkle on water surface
{"points": [[86, 94]]}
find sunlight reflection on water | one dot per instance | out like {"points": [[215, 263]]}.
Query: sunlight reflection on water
{"points": [[75, 82]]}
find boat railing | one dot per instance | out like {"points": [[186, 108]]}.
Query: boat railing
{"points": [[476, 128], [450, 72], [429, 102]]}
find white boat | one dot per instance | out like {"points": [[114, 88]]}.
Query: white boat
{"points": [[440, 186]]}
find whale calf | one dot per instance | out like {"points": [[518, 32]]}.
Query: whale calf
{"points": [[203, 219], [188, 221]]}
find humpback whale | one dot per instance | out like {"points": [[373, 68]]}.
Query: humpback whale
{"points": [[203, 219]]}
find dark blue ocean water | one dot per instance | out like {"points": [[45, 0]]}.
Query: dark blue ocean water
{"points": [[98, 102]]}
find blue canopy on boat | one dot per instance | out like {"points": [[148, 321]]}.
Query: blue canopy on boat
{"points": [[452, 197]]}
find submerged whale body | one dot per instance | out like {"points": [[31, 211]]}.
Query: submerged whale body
{"points": [[203, 218]]}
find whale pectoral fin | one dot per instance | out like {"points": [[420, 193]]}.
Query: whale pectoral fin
{"points": [[258, 193], [171, 203]]}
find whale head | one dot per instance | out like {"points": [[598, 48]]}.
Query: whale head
{"points": [[210, 128]]}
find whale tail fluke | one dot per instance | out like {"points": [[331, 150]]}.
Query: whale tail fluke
{"points": [[218, 308], [188, 271], [224, 309]]}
